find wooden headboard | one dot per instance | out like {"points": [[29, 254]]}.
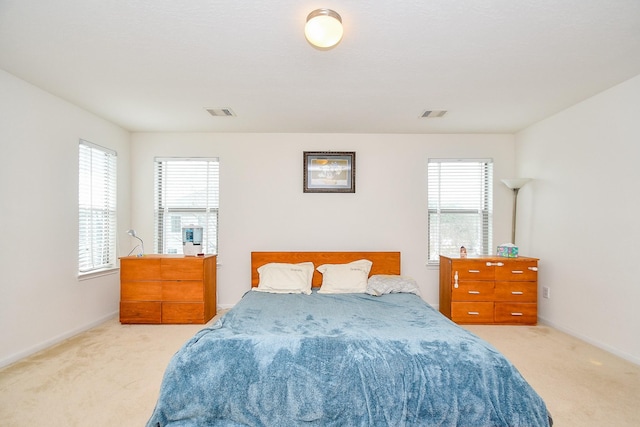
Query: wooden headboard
{"points": [[383, 262]]}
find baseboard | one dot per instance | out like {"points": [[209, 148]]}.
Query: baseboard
{"points": [[53, 341], [626, 356]]}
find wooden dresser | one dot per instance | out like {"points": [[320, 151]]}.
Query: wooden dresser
{"points": [[167, 289], [489, 290]]}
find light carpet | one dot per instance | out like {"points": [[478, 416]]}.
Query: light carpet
{"points": [[111, 374]]}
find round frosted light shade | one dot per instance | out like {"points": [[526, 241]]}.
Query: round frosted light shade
{"points": [[323, 28]]}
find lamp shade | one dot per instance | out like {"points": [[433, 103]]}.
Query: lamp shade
{"points": [[516, 183], [323, 28]]}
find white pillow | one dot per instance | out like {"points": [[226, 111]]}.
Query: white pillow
{"points": [[380, 284], [282, 278], [348, 278]]}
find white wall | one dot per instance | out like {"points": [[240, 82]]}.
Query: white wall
{"points": [[263, 207], [581, 216], [41, 299]]}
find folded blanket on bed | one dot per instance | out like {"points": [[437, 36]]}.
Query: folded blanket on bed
{"points": [[342, 360]]}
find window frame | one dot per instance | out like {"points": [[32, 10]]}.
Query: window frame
{"points": [[97, 209], [163, 212], [484, 233]]}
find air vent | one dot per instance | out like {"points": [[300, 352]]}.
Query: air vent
{"points": [[221, 112], [432, 114]]}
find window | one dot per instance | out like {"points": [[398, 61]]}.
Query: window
{"points": [[460, 198], [186, 193], [97, 208]]}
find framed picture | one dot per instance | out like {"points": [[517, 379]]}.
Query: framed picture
{"points": [[329, 172]]}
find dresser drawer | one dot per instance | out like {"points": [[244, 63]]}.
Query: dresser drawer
{"points": [[473, 270], [182, 291], [189, 268], [132, 269], [140, 291], [140, 312], [516, 291], [473, 291], [472, 312], [183, 312], [516, 313], [526, 271]]}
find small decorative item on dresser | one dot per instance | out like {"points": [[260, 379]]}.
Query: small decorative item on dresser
{"points": [[508, 250], [463, 252]]}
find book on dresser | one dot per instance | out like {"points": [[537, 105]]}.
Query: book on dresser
{"points": [[167, 289], [489, 290]]}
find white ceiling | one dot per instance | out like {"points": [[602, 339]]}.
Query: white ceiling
{"points": [[156, 65]]}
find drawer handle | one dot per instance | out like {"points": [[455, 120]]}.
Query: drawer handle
{"points": [[474, 271], [517, 292], [533, 268], [497, 264], [473, 313], [474, 292], [455, 280], [516, 314], [517, 271]]}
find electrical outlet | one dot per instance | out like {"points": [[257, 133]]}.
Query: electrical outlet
{"points": [[546, 292]]}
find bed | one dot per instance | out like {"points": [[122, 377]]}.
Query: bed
{"points": [[328, 354]]}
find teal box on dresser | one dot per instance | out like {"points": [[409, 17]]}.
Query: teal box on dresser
{"points": [[508, 251]]}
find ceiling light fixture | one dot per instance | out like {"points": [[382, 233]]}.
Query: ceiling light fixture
{"points": [[323, 28]]}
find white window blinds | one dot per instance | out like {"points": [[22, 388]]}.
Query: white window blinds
{"points": [[97, 208], [460, 198], [186, 193]]}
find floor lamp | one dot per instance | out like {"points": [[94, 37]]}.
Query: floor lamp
{"points": [[515, 184]]}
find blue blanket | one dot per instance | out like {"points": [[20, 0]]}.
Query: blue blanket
{"points": [[342, 360]]}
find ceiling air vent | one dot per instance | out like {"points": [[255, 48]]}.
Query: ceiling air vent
{"points": [[432, 114], [221, 112]]}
